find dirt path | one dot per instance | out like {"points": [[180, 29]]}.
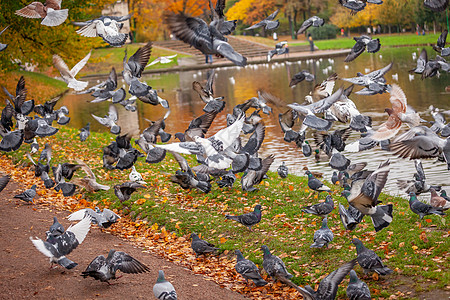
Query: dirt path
{"points": [[26, 274]]}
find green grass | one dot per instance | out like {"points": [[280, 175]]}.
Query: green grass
{"points": [[416, 249]]}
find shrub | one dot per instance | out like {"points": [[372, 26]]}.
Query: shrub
{"points": [[325, 32]]}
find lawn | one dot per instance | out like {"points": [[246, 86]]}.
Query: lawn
{"points": [[417, 250]]}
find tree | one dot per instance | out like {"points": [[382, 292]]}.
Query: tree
{"points": [[32, 43]]}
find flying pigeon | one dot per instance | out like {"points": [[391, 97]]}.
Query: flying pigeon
{"points": [[164, 290], [50, 12], [313, 21], [162, 60], [268, 23], [350, 217], [28, 195], [200, 246], [3, 46], [248, 270], [357, 289], [248, 219], [58, 245], [362, 43], [106, 27], [279, 50], [423, 209], [369, 260], [436, 5], [300, 76], [322, 236], [106, 90], [123, 191], [283, 170], [213, 104], [440, 45], [418, 185], [67, 188], [4, 182], [103, 218], [110, 119], [69, 75], [104, 269], [197, 127], [320, 209], [374, 82], [329, 285], [89, 182], [254, 177], [56, 228]]}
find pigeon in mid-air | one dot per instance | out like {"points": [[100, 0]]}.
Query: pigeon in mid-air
{"points": [[206, 93], [50, 12], [58, 245], [313, 21], [28, 195], [440, 45], [374, 82], [106, 27], [162, 60], [110, 120], [248, 270], [329, 285], [280, 48], [350, 217], [300, 76], [362, 43], [252, 178], [357, 289], [3, 46], [369, 260], [69, 75], [123, 191], [107, 90], [320, 209], [103, 218], [164, 290], [436, 5], [248, 219], [104, 269], [56, 228], [268, 23], [200, 246]]}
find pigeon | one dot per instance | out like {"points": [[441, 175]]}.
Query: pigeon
{"points": [[89, 182], [58, 245], [34, 146], [357, 289], [329, 141], [374, 82], [252, 177], [283, 170], [50, 12], [106, 90], [209, 39], [440, 45], [4, 182], [197, 127], [69, 75], [67, 188], [104, 269], [248, 219], [353, 5], [135, 176], [320, 209], [275, 267], [433, 66], [300, 76], [329, 285], [206, 93], [123, 191], [315, 184], [421, 62], [200, 246], [56, 228], [164, 290], [227, 180], [423, 209], [3, 46], [106, 27], [418, 185], [39, 167], [110, 120], [104, 218], [155, 129], [279, 50], [85, 132], [268, 23], [322, 236], [162, 60], [369, 260], [28, 195], [313, 21], [362, 43], [248, 270], [436, 5], [350, 217]]}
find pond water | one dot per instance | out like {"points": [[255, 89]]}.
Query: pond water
{"points": [[239, 84]]}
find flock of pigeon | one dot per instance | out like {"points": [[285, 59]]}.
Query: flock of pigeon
{"points": [[222, 156]]}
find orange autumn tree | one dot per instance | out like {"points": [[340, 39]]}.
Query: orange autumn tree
{"points": [[251, 11]]}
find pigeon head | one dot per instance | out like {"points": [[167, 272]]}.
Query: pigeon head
{"points": [[345, 193], [180, 136], [433, 192], [266, 251], [258, 207], [359, 245], [33, 187], [308, 173], [239, 255], [161, 277], [115, 129], [324, 223], [443, 193], [353, 277], [412, 196], [194, 237], [329, 199]]}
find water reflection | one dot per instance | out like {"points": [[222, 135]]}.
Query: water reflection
{"points": [[240, 84]]}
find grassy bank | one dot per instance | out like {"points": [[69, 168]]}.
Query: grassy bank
{"points": [[417, 250]]}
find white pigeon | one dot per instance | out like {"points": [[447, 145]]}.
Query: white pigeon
{"points": [[69, 75], [162, 60], [136, 176]]}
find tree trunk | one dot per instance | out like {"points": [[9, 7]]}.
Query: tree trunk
{"points": [[291, 27], [389, 26]]}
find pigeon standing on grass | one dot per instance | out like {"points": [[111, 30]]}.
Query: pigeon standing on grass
{"points": [[274, 266], [85, 132], [369, 260], [320, 209], [248, 270], [323, 236], [248, 219], [58, 245], [28, 195], [423, 209], [283, 170], [315, 184], [357, 289], [164, 290], [200, 246], [104, 269]]}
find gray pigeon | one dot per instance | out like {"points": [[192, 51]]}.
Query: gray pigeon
{"points": [[106, 27], [85, 132], [357, 289], [248, 270], [103, 218], [213, 104], [323, 236], [313, 21], [300, 76], [110, 120], [56, 228], [350, 217], [105, 269], [283, 170], [123, 191], [164, 290], [248, 219], [3, 46], [255, 177], [28, 195], [363, 42], [4, 182], [200, 246], [328, 287], [268, 23], [274, 266], [315, 184], [439, 47], [369, 260], [423, 209], [374, 82], [320, 209], [57, 245]]}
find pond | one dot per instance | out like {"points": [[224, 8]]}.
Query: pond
{"points": [[239, 84]]}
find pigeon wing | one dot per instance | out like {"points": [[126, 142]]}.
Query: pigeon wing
{"points": [[139, 59], [74, 71], [125, 263], [329, 285], [81, 229]]}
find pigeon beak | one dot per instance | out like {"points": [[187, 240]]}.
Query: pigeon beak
{"points": [[142, 182]]}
